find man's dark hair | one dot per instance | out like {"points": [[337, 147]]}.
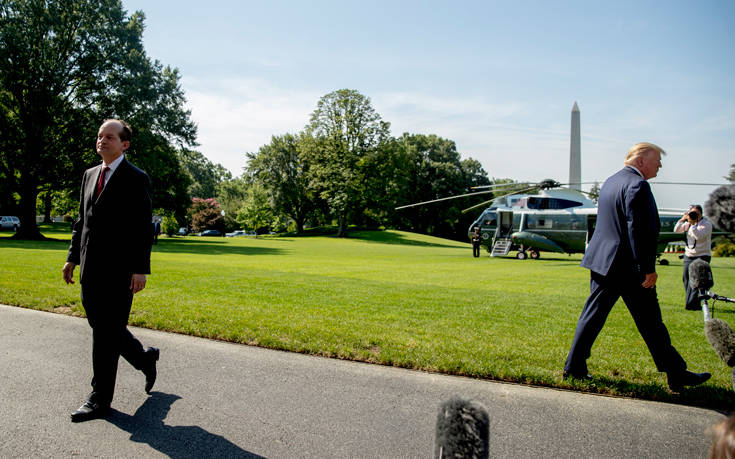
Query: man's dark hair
{"points": [[126, 133], [698, 207]]}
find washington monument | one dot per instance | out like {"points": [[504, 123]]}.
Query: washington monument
{"points": [[575, 153]]}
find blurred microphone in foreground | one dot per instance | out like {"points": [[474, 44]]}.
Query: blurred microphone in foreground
{"points": [[718, 332], [721, 208], [462, 430], [701, 281]]}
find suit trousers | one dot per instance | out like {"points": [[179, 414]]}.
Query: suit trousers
{"points": [[108, 308], [642, 304], [692, 298]]}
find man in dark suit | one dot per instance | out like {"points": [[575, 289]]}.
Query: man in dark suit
{"points": [[621, 257], [111, 241]]}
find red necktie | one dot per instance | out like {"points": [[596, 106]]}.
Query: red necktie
{"points": [[101, 181]]}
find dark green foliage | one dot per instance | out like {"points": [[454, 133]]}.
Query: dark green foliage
{"points": [[205, 176], [283, 172], [345, 167], [64, 68]]}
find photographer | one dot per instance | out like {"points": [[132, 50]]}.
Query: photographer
{"points": [[698, 244]]}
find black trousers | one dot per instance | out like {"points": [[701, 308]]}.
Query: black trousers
{"points": [[108, 308], [692, 299], [476, 250], [642, 304]]}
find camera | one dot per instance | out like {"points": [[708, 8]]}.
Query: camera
{"points": [[693, 215]]}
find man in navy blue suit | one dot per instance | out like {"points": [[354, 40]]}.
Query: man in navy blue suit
{"points": [[621, 257]]}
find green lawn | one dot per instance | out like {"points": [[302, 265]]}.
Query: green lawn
{"points": [[393, 298]]}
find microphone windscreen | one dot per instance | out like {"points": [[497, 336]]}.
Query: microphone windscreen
{"points": [[720, 208], [462, 430], [700, 275], [722, 338]]}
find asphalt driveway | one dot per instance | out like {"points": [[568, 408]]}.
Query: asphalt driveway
{"points": [[215, 399]]}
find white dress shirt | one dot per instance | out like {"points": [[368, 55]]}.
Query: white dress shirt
{"points": [[699, 237]]}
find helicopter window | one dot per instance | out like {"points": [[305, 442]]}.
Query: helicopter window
{"points": [[490, 218], [557, 203], [518, 202]]}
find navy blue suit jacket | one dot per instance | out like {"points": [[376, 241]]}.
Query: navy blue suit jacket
{"points": [[626, 234]]}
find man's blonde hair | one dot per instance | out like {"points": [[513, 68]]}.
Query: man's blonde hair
{"points": [[641, 149]]}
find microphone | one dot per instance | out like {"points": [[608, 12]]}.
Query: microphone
{"points": [[720, 208], [700, 279], [700, 275], [462, 430], [722, 338]]}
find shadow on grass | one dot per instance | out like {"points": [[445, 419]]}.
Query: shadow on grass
{"points": [[390, 237], [211, 246], [714, 398], [147, 426], [48, 244]]}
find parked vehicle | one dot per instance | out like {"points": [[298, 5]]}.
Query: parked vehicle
{"points": [[9, 223], [237, 233], [210, 233], [183, 231]]}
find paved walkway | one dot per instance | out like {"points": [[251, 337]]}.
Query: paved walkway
{"points": [[215, 399]]}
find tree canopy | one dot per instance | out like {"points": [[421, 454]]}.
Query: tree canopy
{"points": [[65, 67], [346, 167], [343, 131]]}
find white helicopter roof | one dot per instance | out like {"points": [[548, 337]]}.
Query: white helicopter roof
{"points": [[558, 198]]}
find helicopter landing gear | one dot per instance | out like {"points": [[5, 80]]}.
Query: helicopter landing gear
{"points": [[521, 255], [534, 254]]}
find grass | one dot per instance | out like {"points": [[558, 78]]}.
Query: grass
{"points": [[392, 298]]}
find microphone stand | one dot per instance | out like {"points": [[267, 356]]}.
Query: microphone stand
{"points": [[706, 295]]}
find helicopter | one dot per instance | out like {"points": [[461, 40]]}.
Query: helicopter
{"points": [[547, 217], [551, 219]]}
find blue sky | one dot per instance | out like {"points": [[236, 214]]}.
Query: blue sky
{"points": [[498, 78]]}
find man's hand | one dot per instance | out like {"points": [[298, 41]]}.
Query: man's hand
{"points": [[137, 283], [650, 281], [68, 272]]}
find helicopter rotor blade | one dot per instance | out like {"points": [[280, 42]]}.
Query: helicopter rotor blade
{"points": [[689, 183], [501, 185], [464, 211], [442, 199]]}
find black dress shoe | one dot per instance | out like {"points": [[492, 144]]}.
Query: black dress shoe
{"points": [[677, 381], [90, 410], [152, 353], [574, 375]]}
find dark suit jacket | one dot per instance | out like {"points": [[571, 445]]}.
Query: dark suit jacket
{"points": [[111, 239], [626, 233]]}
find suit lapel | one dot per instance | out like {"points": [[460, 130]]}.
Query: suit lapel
{"points": [[113, 181], [92, 184]]}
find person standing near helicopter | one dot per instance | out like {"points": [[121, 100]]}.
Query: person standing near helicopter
{"points": [[476, 242], [698, 246]]}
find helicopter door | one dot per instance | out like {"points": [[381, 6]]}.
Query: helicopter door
{"points": [[591, 222], [505, 224], [502, 241]]}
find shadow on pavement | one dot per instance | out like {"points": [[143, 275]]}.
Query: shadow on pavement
{"points": [[147, 426]]}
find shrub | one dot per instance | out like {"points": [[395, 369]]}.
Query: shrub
{"points": [[723, 247]]}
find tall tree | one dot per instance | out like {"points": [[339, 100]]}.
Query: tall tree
{"points": [[65, 66], [231, 195], [205, 175], [283, 172], [435, 170], [343, 130]]}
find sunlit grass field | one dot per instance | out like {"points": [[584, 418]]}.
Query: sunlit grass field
{"points": [[392, 298]]}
